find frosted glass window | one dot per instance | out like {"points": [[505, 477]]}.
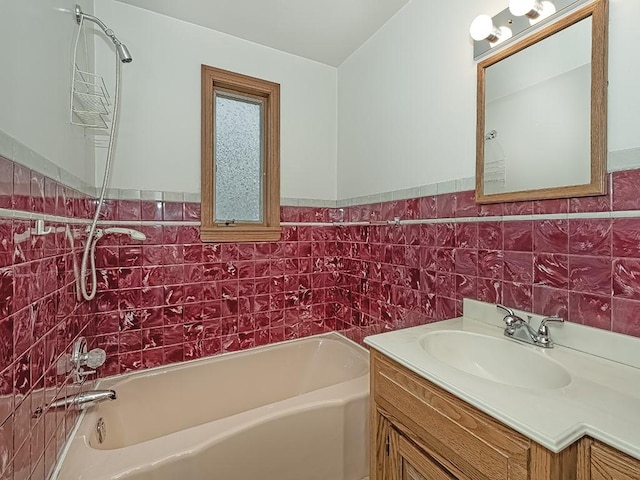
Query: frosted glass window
{"points": [[240, 158], [238, 146]]}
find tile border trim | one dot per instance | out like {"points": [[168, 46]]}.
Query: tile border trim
{"points": [[22, 215], [12, 149]]}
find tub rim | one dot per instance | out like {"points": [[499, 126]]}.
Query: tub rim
{"points": [[112, 380]]}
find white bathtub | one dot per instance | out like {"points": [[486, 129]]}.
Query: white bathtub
{"points": [[296, 410]]}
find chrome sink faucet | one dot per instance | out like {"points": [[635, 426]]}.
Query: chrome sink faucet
{"points": [[519, 329]]}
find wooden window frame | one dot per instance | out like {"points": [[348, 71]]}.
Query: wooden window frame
{"points": [[224, 81]]}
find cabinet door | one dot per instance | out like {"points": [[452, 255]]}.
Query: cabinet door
{"points": [[609, 464], [410, 463], [463, 439]]}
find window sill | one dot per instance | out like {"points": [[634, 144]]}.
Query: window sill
{"points": [[239, 234]]}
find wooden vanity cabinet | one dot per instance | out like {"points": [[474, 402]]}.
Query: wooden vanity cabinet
{"points": [[411, 463], [598, 461], [425, 433]]}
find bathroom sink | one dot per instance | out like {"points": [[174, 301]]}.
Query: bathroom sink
{"points": [[495, 359]]}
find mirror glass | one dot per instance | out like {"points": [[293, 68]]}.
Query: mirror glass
{"points": [[537, 110], [535, 138]]}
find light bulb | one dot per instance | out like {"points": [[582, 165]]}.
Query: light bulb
{"points": [[483, 28], [505, 34], [548, 9], [525, 7], [534, 10]]}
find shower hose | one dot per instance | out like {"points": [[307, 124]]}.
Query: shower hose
{"points": [[88, 255]]}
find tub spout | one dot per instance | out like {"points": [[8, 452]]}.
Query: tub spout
{"points": [[83, 400]]}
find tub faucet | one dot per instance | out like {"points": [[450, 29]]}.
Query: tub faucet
{"points": [[83, 400], [79, 401], [519, 329]]}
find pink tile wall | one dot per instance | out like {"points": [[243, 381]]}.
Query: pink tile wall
{"points": [[39, 319], [168, 299], [172, 298], [585, 270]]}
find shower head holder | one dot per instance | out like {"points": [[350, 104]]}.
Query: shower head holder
{"points": [[78, 12]]}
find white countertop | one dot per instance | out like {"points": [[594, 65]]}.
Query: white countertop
{"points": [[601, 401]]}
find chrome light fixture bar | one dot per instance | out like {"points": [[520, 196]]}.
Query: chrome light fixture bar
{"points": [[516, 21]]}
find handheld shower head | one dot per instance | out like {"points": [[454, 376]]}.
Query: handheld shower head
{"points": [[134, 234]]}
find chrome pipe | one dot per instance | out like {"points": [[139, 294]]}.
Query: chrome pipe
{"points": [[121, 48], [82, 400]]}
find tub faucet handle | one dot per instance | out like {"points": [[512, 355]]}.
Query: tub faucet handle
{"points": [[94, 358], [81, 358]]}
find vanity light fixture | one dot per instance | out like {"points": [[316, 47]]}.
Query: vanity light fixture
{"points": [[534, 10], [483, 28], [521, 18]]}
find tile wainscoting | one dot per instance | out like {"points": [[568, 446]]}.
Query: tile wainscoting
{"points": [[39, 320], [165, 300], [172, 298], [578, 258], [586, 270]]}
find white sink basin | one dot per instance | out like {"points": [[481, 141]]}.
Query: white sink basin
{"points": [[495, 359]]}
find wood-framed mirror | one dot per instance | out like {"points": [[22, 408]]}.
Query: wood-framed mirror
{"points": [[542, 112]]}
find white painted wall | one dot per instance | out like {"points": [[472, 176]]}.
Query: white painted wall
{"points": [[159, 137], [36, 58], [624, 75], [407, 97]]}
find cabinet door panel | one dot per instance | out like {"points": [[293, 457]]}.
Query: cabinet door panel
{"points": [[411, 473], [609, 464], [414, 464], [382, 463], [449, 430]]}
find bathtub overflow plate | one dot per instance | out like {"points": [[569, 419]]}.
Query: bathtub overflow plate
{"points": [[101, 430]]}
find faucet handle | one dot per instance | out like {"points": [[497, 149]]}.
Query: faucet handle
{"points": [[507, 310], [93, 358], [543, 330], [510, 319]]}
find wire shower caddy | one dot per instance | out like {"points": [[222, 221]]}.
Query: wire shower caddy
{"points": [[90, 100], [90, 104]]}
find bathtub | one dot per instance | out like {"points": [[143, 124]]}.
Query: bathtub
{"points": [[296, 410]]}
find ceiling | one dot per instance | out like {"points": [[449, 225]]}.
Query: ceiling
{"points": [[327, 31]]}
